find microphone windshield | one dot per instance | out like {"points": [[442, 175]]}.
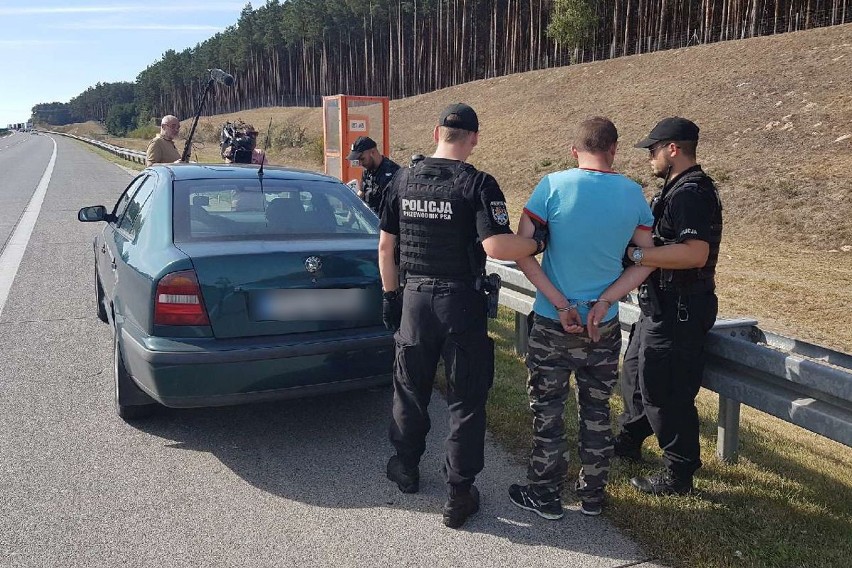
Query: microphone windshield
{"points": [[222, 77]]}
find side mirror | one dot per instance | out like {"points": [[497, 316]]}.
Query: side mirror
{"points": [[92, 214]]}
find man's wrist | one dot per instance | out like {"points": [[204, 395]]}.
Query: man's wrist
{"points": [[636, 254], [390, 294]]}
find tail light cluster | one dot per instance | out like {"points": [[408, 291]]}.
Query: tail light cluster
{"points": [[178, 300]]}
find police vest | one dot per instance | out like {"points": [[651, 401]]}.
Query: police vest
{"points": [[690, 277], [437, 225]]}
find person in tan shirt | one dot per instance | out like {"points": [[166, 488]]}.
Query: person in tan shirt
{"points": [[162, 149]]}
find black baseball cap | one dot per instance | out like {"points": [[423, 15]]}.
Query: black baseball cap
{"points": [[670, 129], [461, 116], [361, 144]]}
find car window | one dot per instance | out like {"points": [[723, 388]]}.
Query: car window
{"points": [[131, 219], [127, 195], [242, 210]]}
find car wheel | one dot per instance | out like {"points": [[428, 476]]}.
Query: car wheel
{"points": [[99, 297], [126, 390]]}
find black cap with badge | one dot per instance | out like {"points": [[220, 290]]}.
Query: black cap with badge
{"points": [[361, 144], [459, 116], [671, 129]]}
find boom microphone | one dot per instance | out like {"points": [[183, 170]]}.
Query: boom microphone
{"points": [[222, 77]]}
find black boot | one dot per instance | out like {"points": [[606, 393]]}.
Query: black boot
{"points": [[461, 505], [407, 479], [627, 447], [662, 483]]}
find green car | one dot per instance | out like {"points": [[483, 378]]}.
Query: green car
{"points": [[227, 284]]}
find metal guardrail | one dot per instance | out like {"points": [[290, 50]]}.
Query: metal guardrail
{"points": [[130, 155], [804, 384]]}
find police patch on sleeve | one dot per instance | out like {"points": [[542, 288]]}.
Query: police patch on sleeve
{"points": [[499, 212]]}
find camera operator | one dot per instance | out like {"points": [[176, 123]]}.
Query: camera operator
{"points": [[239, 141]]}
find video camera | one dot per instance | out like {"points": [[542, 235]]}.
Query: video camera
{"points": [[237, 142]]}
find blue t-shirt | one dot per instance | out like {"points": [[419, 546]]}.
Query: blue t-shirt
{"points": [[591, 216]]}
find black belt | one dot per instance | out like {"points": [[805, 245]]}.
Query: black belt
{"points": [[696, 287], [421, 278]]}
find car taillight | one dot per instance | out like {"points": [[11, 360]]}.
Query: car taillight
{"points": [[178, 300]]}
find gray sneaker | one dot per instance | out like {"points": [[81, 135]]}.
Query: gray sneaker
{"points": [[547, 506]]}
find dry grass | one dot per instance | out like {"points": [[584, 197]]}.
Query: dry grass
{"points": [[787, 503]]}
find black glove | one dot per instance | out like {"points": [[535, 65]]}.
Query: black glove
{"points": [[540, 235], [392, 309]]}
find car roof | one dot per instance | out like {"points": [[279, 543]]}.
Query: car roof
{"points": [[239, 171]]}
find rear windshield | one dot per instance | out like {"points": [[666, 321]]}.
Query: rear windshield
{"points": [[243, 210]]}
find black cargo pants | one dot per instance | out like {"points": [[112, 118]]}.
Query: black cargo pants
{"points": [[443, 319], [661, 375]]}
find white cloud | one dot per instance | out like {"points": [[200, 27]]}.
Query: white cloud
{"points": [[28, 43], [141, 8], [145, 27]]}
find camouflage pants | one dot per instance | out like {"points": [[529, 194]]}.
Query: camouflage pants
{"points": [[552, 356]]}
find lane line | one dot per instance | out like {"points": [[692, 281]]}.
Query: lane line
{"points": [[13, 253]]}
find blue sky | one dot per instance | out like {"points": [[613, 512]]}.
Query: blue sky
{"points": [[54, 50]]}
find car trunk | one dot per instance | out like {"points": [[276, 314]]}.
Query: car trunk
{"points": [[255, 288]]}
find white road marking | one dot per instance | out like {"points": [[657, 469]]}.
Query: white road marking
{"points": [[13, 253]]}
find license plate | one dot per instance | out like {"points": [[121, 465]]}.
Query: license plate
{"points": [[309, 304]]}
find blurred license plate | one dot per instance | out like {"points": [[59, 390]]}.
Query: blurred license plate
{"points": [[314, 304]]}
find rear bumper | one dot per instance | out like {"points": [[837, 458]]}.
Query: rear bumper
{"points": [[194, 372]]}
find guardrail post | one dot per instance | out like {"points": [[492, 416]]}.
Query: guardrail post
{"points": [[522, 333], [728, 436]]}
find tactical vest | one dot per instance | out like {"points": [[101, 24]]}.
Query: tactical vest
{"points": [[437, 226], [690, 278]]}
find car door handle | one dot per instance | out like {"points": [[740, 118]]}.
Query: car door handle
{"points": [[113, 264], [103, 249]]}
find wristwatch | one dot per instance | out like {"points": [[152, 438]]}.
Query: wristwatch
{"points": [[637, 255], [390, 295]]}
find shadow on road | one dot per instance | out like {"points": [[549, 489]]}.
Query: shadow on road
{"points": [[331, 452]]}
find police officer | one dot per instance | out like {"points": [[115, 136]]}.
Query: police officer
{"points": [[446, 216], [378, 171], [664, 362]]}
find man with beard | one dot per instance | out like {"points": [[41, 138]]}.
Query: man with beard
{"points": [[378, 171], [664, 362]]}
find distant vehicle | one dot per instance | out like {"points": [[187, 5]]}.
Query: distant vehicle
{"points": [[224, 287]]}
